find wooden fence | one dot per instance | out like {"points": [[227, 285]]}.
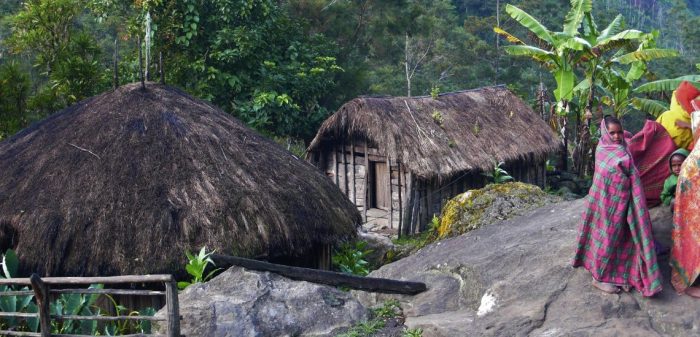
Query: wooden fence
{"points": [[43, 287]]}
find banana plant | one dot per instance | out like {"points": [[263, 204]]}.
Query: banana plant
{"points": [[657, 107]]}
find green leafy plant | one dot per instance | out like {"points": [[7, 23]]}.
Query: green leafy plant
{"points": [[438, 118], [389, 309], [196, 266], [350, 258], [498, 175], [417, 332], [435, 92], [16, 303]]}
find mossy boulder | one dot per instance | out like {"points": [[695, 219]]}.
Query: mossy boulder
{"points": [[495, 202]]}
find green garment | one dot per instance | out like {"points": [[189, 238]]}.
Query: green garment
{"points": [[669, 191]]}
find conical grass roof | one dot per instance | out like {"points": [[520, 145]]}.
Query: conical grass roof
{"points": [[125, 182]]}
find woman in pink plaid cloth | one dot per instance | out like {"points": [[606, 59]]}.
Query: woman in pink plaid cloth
{"points": [[615, 242]]}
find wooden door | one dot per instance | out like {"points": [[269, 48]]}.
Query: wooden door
{"points": [[381, 181]]}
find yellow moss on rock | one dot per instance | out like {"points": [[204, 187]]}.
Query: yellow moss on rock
{"points": [[493, 203]]}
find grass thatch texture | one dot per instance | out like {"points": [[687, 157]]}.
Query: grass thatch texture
{"points": [[440, 137], [126, 181]]}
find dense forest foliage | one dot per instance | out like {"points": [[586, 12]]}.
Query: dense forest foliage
{"points": [[283, 66]]}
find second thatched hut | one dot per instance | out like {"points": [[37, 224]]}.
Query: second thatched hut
{"points": [[399, 159]]}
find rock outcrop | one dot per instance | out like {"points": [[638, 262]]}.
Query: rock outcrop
{"points": [[514, 278], [244, 303]]}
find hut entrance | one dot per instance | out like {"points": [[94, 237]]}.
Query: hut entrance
{"points": [[379, 185]]}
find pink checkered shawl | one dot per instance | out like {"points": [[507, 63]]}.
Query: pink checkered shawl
{"points": [[615, 241]]}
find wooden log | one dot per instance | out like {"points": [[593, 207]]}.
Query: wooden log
{"points": [[391, 195], [325, 277], [41, 294], [366, 191], [172, 309], [354, 171]]}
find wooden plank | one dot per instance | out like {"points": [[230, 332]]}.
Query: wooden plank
{"points": [[366, 191], [398, 165], [325, 277], [133, 335], [335, 165], [41, 294], [19, 333], [91, 280], [391, 195], [345, 171], [381, 184], [18, 314], [109, 291], [173, 309], [16, 293], [361, 149], [107, 318], [354, 171]]}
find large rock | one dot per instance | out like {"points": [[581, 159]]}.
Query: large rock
{"points": [[514, 278], [244, 303]]}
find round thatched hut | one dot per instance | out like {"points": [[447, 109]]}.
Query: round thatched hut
{"points": [[125, 182]]}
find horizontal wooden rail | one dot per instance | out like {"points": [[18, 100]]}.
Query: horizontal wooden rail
{"points": [[107, 318], [133, 335], [372, 284], [109, 292], [16, 293], [41, 291], [19, 333], [18, 314], [91, 280]]}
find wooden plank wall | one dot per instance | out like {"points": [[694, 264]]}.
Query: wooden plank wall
{"points": [[413, 201]]}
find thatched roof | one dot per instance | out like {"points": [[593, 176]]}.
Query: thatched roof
{"points": [[126, 181], [437, 138]]}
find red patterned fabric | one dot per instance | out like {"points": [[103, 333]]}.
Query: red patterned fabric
{"points": [[615, 241], [651, 148], [685, 93]]}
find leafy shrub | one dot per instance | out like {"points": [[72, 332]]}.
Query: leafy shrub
{"points": [[498, 175], [350, 258], [196, 266], [417, 332]]}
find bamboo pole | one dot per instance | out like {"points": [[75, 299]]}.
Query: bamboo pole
{"points": [[116, 63], [143, 82]]}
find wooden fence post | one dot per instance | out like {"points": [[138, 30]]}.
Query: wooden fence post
{"points": [[41, 293], [173, 309]]}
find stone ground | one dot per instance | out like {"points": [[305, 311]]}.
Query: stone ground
{"points": [[513, 278]]}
